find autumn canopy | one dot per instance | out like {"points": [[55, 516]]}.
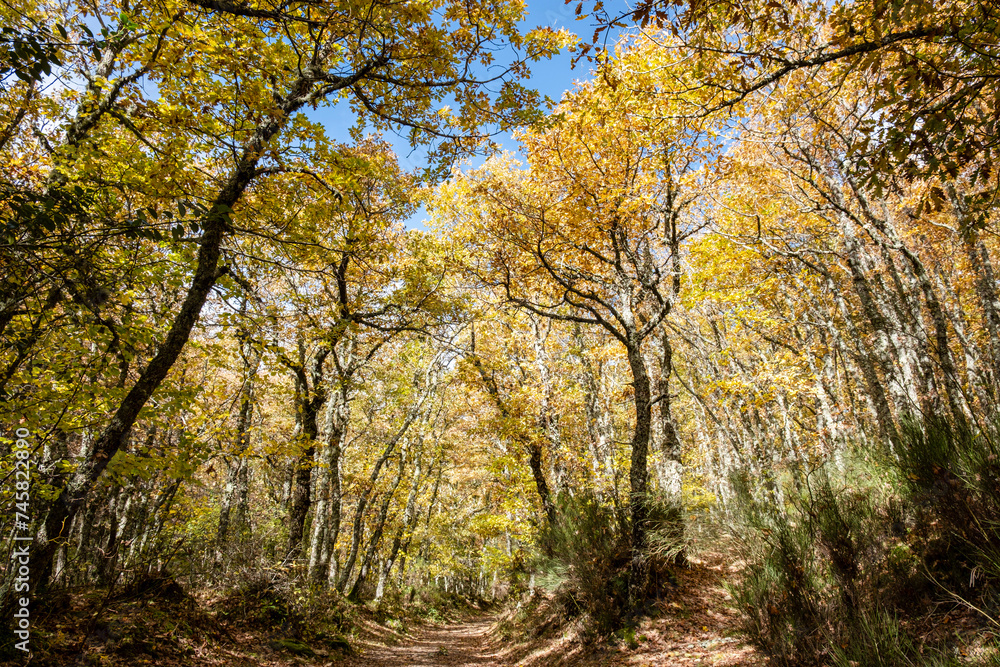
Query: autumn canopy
{"points": [[276, 307]]}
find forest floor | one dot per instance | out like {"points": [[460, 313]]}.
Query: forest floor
{"points": [[695, 626]]}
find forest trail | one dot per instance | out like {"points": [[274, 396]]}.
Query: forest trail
{"points": [[694, 628], [462, 644]]}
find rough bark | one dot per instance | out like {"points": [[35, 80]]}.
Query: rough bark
{"points": [[309, 397], [600, 426], [886, 230], [670, 444], [883, 349], [909, 338], [327, 519], [876, 392], [638, 472]]}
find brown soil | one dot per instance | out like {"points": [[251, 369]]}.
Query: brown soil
{"points": [[463, 644]]}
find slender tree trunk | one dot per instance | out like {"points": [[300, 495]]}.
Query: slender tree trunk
{"points": [[548, 420], [55, 453], [883, 349], [365, 495], [986, 290], [978, 380], [236, 495], [989, 301], [326, 522], [875, 391], [600, 427], [237, 478], [407, 524], [949, 372], [909, 339], [336, 511], [431, 508], [378, 530], [638, 472], [882, 229], [670, 444], [157, 514], [531, 445]]}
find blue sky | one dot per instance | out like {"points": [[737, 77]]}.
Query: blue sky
{"points": [[549, 77]]}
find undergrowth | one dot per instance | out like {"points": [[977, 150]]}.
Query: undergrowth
{"points": [[849, 570], [585, 560]]}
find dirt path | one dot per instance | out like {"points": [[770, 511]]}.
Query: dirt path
{"points": [[695, 628], [463, 644]]}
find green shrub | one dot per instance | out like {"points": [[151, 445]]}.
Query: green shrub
{"points": [[586, 561], [586, 558], [830, 575], [952, 478]]}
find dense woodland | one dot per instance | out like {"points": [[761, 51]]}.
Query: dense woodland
{"points": [[739, 281]]}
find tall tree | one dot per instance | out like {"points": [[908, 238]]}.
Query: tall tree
{"points": [[231, 82], [579, 235]]}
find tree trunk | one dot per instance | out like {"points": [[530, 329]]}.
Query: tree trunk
{"points": [[531, 445], [237, 479], [982, 268], [309, 397], [365, 495], [883, 412], [407, 524], [639, 473], [670, 444], [237, 467], [884, 351], [377, 532], [301, 498], [600, 426], [326, 522], [548, 421]]}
